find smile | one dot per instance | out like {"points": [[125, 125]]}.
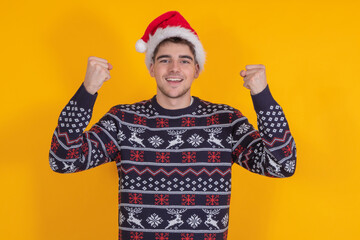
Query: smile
{"points": [[174, 79]]}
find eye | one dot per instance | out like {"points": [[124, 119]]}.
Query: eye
{"points": [[164, 61], [185, 61]]}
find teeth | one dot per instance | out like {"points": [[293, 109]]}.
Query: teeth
{"points": [[174, 79]]}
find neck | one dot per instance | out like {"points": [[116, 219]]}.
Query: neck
{"points": [[174, 103]]}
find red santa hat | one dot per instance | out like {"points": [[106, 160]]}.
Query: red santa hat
{"points": [[167, 25]]}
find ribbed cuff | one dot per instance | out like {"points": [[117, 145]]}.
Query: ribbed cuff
{"points": [[263, 100], [84, 98]]}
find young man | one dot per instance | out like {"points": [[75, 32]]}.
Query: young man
{"points": [[174, 152]]}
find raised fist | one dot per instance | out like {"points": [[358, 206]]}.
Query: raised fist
{"points": [[254, 78], [97, 72]]}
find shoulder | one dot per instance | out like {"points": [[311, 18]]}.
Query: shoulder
{"points": [[139, 107], [208, 107], [212, 109]]}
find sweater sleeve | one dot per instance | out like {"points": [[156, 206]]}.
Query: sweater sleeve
{"points": [[72, 149], [269, 151]]}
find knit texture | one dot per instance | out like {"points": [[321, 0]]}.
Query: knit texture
{"points": [[174, 166]]}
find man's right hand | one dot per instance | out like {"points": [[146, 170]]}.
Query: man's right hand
{"points": [[97, 73]]}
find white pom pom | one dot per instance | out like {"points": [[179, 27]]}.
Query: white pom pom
{"points": [[140, 46]]}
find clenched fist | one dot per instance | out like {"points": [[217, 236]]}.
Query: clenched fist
{"points": [[97, 73], [254, 78]]}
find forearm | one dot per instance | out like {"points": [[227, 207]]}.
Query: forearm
{"points": [[271, 151], [72, 149]]}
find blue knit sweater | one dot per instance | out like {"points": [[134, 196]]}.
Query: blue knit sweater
{"points": [[174, 166]]}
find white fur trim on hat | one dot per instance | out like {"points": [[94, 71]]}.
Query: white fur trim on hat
{"points": [[163, 33]]}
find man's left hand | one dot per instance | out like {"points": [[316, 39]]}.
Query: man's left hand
{"points": [[254, 78]]}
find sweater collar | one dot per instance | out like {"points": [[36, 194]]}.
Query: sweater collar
{"points": [[175, 112]]}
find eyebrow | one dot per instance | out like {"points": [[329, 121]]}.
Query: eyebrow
{"points": [[186, 56], [181, 56], [163, 56]]}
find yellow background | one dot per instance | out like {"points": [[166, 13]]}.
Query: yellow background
{"points": [[311, 52]]}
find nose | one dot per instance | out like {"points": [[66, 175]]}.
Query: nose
{"points": [[174, 66]]}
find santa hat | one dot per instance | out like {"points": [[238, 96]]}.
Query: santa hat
{"points": [[167, 25]]}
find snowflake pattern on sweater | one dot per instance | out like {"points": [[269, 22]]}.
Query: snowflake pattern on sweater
{"points": [[174, 166]]}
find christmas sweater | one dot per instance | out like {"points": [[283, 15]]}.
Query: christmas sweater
{"points": [[174, 166]]}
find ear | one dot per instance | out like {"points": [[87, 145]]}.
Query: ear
{"points": [[197, 70], [151, 71]]}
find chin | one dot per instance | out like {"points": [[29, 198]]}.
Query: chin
{"points": [[174, 94]]}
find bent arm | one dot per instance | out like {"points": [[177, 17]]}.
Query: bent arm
{"points": [[271, 151], [72, 149]]}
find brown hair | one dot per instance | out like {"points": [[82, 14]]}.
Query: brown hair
{"points": [[176, 40]]}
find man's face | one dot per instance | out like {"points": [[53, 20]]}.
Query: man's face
{"points": [[174, 69]]}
